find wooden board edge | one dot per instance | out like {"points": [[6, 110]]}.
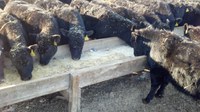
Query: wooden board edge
{"points": [[93, 75], [97, 44], [33, 89]]}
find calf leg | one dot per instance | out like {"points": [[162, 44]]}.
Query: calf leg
{"points": [[151, 94], [164, 83], [154, 86], [160, 92]]}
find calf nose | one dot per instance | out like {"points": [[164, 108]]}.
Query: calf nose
{"points": [[26, 78], [76, 58], [44, 62]]}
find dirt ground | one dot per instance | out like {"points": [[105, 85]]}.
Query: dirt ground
{"points": [[123, 94]]}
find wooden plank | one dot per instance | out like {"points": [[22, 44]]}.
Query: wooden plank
{"points": [[111, 42], [93, 75], [103, 43], [34, 88], [74, 94]]}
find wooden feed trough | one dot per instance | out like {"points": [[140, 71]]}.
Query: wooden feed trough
{"points": [[102, 60]]}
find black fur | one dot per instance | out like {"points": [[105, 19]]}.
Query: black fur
{"points": [[41, 26], [192, 17], [104, 22], [70, 23], [170, 58], [14, 37]]}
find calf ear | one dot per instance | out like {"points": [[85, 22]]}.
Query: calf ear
{"points": [[86, 38], [185, 29], [132, 28], [134, 35], [56, 39], [33, 49], [89, 33], [63, 32]]}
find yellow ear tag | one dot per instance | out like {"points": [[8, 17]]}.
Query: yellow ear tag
{"points": [[86, 38], [176, 24], [32, 53], [55, 43], [187, 10]]}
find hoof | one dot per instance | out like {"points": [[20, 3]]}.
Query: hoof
{"points": [[145, 101]]}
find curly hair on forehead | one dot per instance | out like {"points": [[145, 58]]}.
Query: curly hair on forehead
{"points": [[20, 55]]}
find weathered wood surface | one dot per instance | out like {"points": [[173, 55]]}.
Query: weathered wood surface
{"points": [[32, 89], [74, 94], [93, 75], [94, 44]]}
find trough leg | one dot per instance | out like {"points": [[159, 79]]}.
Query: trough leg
{"points": [[74, 94]]}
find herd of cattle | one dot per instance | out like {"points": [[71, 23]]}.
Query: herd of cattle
{"points": [[28, 27]]}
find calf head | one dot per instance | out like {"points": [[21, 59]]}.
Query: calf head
{"points": [[140, 44], [192, 16], [165, 14], [157, 44], [47, 47], [76, 41], [178, 11], [23, 61]]}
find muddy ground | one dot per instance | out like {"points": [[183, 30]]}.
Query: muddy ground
{"points": [[123, 94]]}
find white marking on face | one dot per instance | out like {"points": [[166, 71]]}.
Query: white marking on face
{"points": [[167, 20]]}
